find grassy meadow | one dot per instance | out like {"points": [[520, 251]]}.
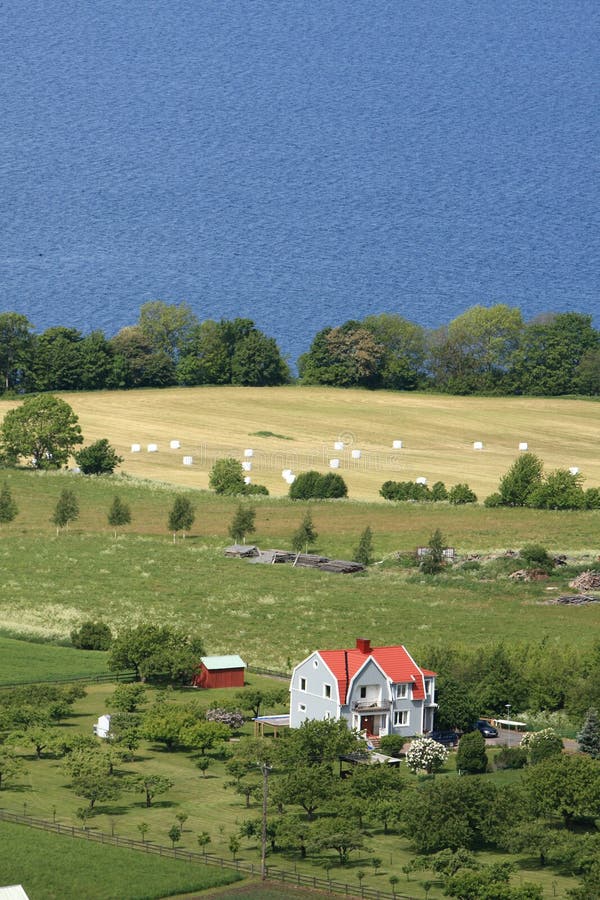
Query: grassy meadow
{"points": [[296, 427], [52, 582]]}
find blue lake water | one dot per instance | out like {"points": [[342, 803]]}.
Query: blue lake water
{"points": [[300, 163]]}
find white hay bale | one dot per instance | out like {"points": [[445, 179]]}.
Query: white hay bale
{"points": [[356, 454], [249, 452], [523, 445], [175, 445], [334, 463], [188, 460], [152, 448], [396, 445], [477, 445], [136, 448]]}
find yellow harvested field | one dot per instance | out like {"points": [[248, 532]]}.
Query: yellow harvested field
{"points": [[437, 432]]}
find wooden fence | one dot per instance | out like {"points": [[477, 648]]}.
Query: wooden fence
{"points": [[274, 873], [99, 678]]}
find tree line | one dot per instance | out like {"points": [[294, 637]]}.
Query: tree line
{"points": [[485, 350]]}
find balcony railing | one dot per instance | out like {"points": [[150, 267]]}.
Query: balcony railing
{"points": [[366, 706]]}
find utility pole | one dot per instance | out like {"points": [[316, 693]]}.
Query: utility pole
{"points": [[266, 769]]}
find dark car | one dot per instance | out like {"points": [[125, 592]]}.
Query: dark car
{"points": [[447, 738], [485, 728]]}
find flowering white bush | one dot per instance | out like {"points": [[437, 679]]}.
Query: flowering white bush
{"points": [[541, 744], [426, 755]]}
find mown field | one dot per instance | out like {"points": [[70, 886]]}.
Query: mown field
{"points": [[296, 427], [51, 583], [211, 805]]}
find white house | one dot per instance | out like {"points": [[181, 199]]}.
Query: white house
{"points": [[380, 690]]}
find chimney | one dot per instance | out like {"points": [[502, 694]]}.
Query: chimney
{"points": [[363, 644]]}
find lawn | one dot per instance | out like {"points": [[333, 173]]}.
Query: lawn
{"points": [[25, 661], [296, 427], [56, 867]]}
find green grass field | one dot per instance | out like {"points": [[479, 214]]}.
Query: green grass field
{"points": [[51, 583], [56, 867], [26, 661], [301, 424]]}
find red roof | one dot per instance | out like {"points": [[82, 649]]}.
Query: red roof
{"points": [[396, 662]]}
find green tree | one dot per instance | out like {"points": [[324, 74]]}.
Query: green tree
{"points": [[168, 327], [364, 552], [404, 347], [471, 757], [312, 485], [119, 514], [15, 348], [336, 833], [43, 429], [98, 459], [10, 766], [242, 523], [255, 699], [8, 508], [521, 480], [174, 835], [163, 723], [550, 352], [561, 489], [449, 813], [305, 534], [433, 562], [567, 785], [461, 493], [202, 735], [457, 709], [95, 786], [92, 636], [40, 737], [127, 697], [56, 360], [156, 650], [66, 510], [308, 786], [257, 361], [227, 477], [316, 741], [346, 356], [137, 363], [536, 557], [589, 736], [149, 784], [181, 516]]}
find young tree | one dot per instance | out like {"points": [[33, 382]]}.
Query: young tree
{"points": [[149, 785], [10, 766], [471, 757], [227, 477], [127, 697], [119, 514], [461, 493], [174, 835], [364, 552], [305, 535], [98, 459], [95, 786], [8, 507], [181, 516], [242, 523], [433, 562], [43, 429], [66, 510], [589, 736]]}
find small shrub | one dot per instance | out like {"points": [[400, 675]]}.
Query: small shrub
{"points": [[471, 565], [510, 758], [471, 758], [536, 557], [92, 636], [541, 745], [460, 494], [253, 489], [314, 486], [392, 744], [439, 492], [493, 501]]}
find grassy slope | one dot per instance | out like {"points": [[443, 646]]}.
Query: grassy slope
{"points": [[24, 661], [438, 433]]}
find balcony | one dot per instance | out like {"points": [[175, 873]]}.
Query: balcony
{"points": [[371, 706]]}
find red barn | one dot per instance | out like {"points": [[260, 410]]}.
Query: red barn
{"points": [[220, 671]]}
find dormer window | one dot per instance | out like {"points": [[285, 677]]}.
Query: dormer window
{"points": [[428, 685], [402, 691]]}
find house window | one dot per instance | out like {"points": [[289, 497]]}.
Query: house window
{"points": [[401, 717], [315, 663], [302, 707], [401, 691], [327, 691], [363, 693], [428, 683], [303, 684]]}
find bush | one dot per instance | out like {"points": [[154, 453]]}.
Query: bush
{"points": [[493, 501], [427, 755], [536, 557], [314, 486], [439, 492], [471, 758], [461, 493], [256, 489], [471, 565], [592, 498], [541, 745], [392, 744], [92, 636], [405, 490], [98, 459], [510, 758]]}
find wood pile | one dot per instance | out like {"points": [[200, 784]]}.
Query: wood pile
{"points": [[587, 581], [575, 600]]}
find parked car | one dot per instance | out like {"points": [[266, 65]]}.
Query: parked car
{"points": [[447, 738], [487, 730]]}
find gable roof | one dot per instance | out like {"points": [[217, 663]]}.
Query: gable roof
{"points": [[222, 662], [395, 662]]}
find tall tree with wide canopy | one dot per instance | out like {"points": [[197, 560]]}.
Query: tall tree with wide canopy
{"points": [[550, 352], [404, 349], [44, 430], [168, 327]]}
